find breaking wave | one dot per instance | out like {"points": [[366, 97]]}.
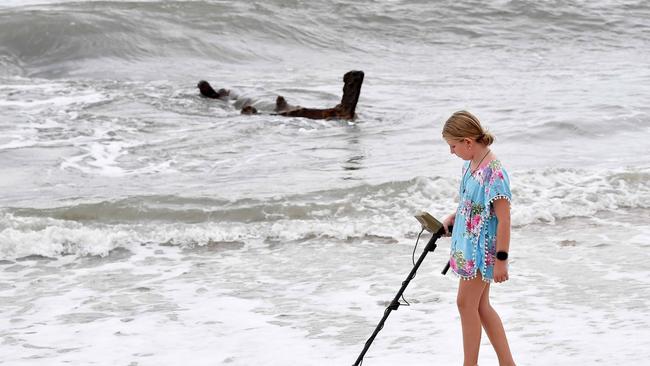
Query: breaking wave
{"points": [[381, 212]]}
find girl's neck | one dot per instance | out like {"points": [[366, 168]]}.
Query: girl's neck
{"points": [[480, 156]]}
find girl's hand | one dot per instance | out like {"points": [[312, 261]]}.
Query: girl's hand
{"points": [[447, 222], [500, 271]]}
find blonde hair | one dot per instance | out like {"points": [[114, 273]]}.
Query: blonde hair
{"points": [[463, 124]]}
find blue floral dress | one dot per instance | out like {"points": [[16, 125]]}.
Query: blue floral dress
{"points": [[473, 239]]}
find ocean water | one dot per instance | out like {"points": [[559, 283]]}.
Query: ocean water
{"points": [[143, 225]]}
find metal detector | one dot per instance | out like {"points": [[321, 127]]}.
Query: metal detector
{"points": [[433, 226]]}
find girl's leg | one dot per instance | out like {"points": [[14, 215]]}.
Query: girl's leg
{"points": [[469, 296], [494, 329]]}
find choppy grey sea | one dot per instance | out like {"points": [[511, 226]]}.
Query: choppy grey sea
{"points": [[143, 225]]}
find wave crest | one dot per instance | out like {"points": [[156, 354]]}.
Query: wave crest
{"points": [[382, 212]]}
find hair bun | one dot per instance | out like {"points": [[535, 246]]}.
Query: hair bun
{"points": [[486, 137]]}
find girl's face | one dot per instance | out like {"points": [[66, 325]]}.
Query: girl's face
{"points": [[461, 148]]}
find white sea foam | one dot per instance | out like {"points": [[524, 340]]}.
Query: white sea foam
{"points": [[100, 159], [313, 304], [58, 101]]}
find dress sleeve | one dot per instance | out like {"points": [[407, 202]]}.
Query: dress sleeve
{"points": [[498, 186]]}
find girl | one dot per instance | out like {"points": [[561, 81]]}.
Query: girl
{"points": [[481, 234]]}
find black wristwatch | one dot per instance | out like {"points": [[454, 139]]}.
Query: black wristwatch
{"points": [[502, 256]]}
